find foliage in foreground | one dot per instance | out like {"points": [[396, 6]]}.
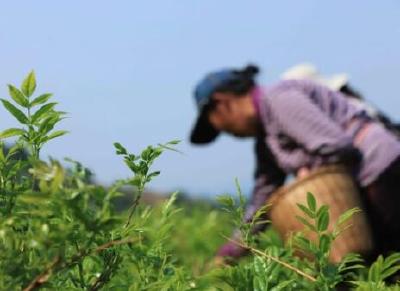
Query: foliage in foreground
{"points": [[58, 231]]}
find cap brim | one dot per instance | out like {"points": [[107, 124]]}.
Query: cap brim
{"points": [[203, 132]]}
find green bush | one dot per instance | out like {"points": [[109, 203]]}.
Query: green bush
{"points": [[59, 231]]}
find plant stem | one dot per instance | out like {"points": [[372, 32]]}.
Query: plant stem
{"points": [[135, 202], [305, 275]]}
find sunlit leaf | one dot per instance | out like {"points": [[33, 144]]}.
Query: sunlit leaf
{"points": [[17, 96], [312, 204], [18, 114], [323, 221], [42, 111], [11, 132], [29, 84], [307, 211], [41, 99], [56, 134]]}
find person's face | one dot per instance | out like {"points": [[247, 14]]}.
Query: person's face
{"points": [[234, 115]]}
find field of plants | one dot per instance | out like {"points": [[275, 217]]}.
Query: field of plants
{"points": [[60, 231]]}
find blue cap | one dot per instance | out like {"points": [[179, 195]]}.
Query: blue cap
{"points": [[206, 87], [203, 132]]}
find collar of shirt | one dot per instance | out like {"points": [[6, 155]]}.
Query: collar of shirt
{"points": [[256, 94]]}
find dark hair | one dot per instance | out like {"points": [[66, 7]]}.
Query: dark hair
{"points": [[351, 92], [243, 82]]}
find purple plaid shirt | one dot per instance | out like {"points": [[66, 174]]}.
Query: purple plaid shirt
{"points": [[308, 125]]}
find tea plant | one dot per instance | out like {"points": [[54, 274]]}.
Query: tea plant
{"points": [[237, 211], [316, 220], [279, 268], [37, 123], [59, 231], [379, 271]]}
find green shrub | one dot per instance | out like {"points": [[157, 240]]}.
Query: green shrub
{"points": [[59, 231]]}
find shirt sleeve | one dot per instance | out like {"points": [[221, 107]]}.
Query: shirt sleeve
{"points": [[300, 118]]}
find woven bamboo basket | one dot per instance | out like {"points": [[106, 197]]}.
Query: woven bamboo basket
{"points": [[333, 186]]}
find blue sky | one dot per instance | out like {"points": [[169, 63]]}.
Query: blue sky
{"points": [[125, 70]]}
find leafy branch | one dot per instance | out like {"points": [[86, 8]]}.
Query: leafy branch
{"points": [[57, 263], [277, 260], [37, 126], [140, 165]]}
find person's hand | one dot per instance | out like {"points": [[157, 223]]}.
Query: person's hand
{"points": [[303, 172], [231, 251]]}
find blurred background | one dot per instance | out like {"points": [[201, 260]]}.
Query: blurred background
{"points": [[125, 71]]}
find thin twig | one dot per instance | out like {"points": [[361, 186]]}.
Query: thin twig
{"points": [[44, 276], [305, 275], [105, 246], [133, 208], [115, 243]]}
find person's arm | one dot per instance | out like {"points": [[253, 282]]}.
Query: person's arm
{"points": [[268, 177]]}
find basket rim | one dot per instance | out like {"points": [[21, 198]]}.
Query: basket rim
{"points": [[283, 190]]}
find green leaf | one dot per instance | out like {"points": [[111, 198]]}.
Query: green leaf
{"points": [[11, 132], [307, 211], [120, 149], [374, 273], [351, 261], [303, 243], [312, 204], [347, 215], [48, 124], [2, 158], [152, 175], [56, 134], [242, 199], [390, 271], [391, 260], [145, 155], [306, 223], [166, 147], [260, 213], [323, 208], [226, 201], [174, 142], [284, 285], [18, 114], [169, 202], [42, 111], [34, 197], [41, 99], [390, 265], [14, 150], [324, 243], [29, 84], [323, 221], [351, 267], [17, 96]]}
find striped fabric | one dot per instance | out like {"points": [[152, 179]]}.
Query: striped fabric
{"points": [[307, 125]]}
